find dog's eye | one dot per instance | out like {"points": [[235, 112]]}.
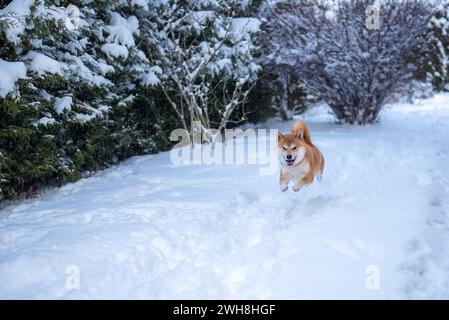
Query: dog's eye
{"points": [[285, 148], [294, 148]]}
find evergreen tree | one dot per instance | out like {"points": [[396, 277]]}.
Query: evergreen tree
{"points": [[83, 83], [436, 67]]}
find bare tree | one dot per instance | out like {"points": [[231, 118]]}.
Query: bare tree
{"points": [[352, 62], [202, 47]]}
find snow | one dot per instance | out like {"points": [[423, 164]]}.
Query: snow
{"points": [[220, 65], [121, 30], [43, 64], [150, 79], [63, 104], [10, 72], [115, 50], [202, 16], [245, 25], [151, 229], [46, 121], [82, 117], [77, 67]]}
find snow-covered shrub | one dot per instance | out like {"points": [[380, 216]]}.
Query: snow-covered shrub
{"points": [[84, 84], [342, 58], [203, 59], [58, 85]]}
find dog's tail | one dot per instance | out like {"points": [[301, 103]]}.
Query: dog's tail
{"points": [[301, 130]]}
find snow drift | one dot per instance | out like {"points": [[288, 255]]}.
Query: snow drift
{"points": [[376, 227]]}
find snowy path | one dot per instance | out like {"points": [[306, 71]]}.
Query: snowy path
{"points": [[147, 229]]}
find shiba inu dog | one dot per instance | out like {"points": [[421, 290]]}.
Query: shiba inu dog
{"points": [[300, 160]]}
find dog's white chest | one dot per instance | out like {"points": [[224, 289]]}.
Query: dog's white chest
{"points": [[299, 170]]}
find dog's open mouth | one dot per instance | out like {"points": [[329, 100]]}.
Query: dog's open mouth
{"points": [[290, 162]]}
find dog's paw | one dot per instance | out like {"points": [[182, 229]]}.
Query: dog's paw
{"points": [[296, 188], [284, 187]]}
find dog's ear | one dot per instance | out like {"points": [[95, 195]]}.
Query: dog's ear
{"points": [[280, 136]]}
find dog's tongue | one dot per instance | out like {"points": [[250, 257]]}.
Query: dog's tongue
{"points": [[289, 162]]}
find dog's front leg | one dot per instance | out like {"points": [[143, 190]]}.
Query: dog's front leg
{"points": [[284, 178], [301, 182]]}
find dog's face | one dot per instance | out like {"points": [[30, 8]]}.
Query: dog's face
{"points": [[290, 149]]}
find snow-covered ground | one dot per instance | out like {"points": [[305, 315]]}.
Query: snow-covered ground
{"points": [[377, 226]]}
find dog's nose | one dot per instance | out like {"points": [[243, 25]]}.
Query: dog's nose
{"points": [[289, 157]]}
